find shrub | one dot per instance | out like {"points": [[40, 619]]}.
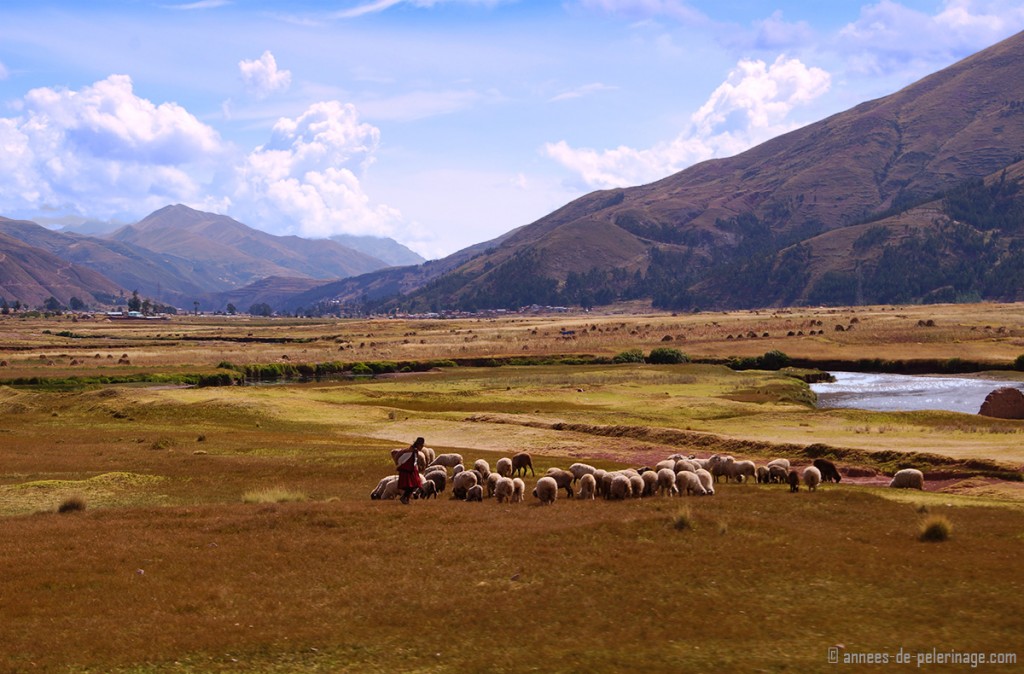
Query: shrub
{"points": [[774, 360], [72, 504], [666, 356], [361, 370], [629, 356], [1019, 363], [935, 529], [683, 520]]}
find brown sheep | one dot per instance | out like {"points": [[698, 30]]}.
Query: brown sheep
{"points": [[564, 479], [522, 461], [794, 481]]}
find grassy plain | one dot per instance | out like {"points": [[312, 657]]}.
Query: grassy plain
{"points": [[229, 529]]}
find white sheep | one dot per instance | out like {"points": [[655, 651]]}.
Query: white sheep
{"points": [[908, 478], [619, 487], [578, 470], [779, 462], [492, 484], [504, 467], [462, 483], [667, 463], [719, 465], [518, 490], [457, 468], [588, 487], [598, 477], [482, 467], [448, 460], [706, 481], [475, 493], [387, 488], [439, 478], [689, 484], [546, 490], [667, 482], [742, 470], [650, 479], [812, 477], [436, 469], [429, 455], [503, 490], [686, 464], [637, 485]]}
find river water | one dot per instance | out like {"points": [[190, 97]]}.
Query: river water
{"points": [[901, 392]]}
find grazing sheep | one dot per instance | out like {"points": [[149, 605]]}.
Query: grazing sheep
{"points": [[794, 481], [598, 477], [435, 469], [439, 479], [719, 466], [429, 455], [457, 468], [741, 470], [563, 479], [777, 474], [706, 481], [588, 487], [475, 493], [762, 474], [388, 485], [504, 467], [503, 490], [667, 463], [546, 490], [426, 490], [447, 460], [520, 462], [518, 490], [650, 479], [812, 478], [637, 485], [686, 464], [462, 483], [829, 472], [578, 470], [492, 484], [667, 482], [619, 488], [908, 478], [689, 484], [482, 467], [780, 462], [605, 485]]}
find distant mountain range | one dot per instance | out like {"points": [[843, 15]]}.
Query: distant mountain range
{"points": [[178, 256], [914, 197]]}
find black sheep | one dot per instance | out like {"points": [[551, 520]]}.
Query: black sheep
{"points": [[829, 473]]}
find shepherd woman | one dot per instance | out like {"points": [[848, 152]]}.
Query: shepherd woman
{"points": [[408, 469]]}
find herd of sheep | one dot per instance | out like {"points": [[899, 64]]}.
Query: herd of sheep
{"points": [[677, 475]]}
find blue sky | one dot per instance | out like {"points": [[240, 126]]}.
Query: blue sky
{"points": [[440, 123]]}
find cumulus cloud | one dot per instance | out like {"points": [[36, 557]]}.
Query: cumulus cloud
{"points": [[750, 107], [306, 178], [887, 36], [103, 146], [262, 77]]}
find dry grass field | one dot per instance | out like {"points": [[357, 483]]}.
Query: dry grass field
{"points": [[229, 528]]}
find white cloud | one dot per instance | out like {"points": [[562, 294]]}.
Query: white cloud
{"points": [[102, 151], [3, 71], [580, 92], [777, 33], [889, 36], [202, 4], [376, 6], [262, 77], [306, 179], [750, 107]]}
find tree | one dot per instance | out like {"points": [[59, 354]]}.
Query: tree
{"points": [[196, 304], [134, 302], [231, 309], [261, 309], [52, 304], [76, 304], [147, 307]]}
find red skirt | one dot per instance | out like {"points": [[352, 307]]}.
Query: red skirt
{"points": [[409, 479]]}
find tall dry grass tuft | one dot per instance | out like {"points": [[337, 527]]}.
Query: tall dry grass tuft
{"points": [[72, 504], [935, 529], [273, 495], [683, 520]]}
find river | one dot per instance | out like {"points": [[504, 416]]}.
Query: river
{"points": [[902, 392]]}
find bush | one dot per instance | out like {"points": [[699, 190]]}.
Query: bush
{"points": [[629, 356], [361, 370], [774, 360], [666, 356], [72, 504], [1019, 363], [935, 529]]}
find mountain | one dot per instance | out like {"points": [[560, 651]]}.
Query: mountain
{"points": [[230, 254], [883, 202], [382, 248], [31, 275]]}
